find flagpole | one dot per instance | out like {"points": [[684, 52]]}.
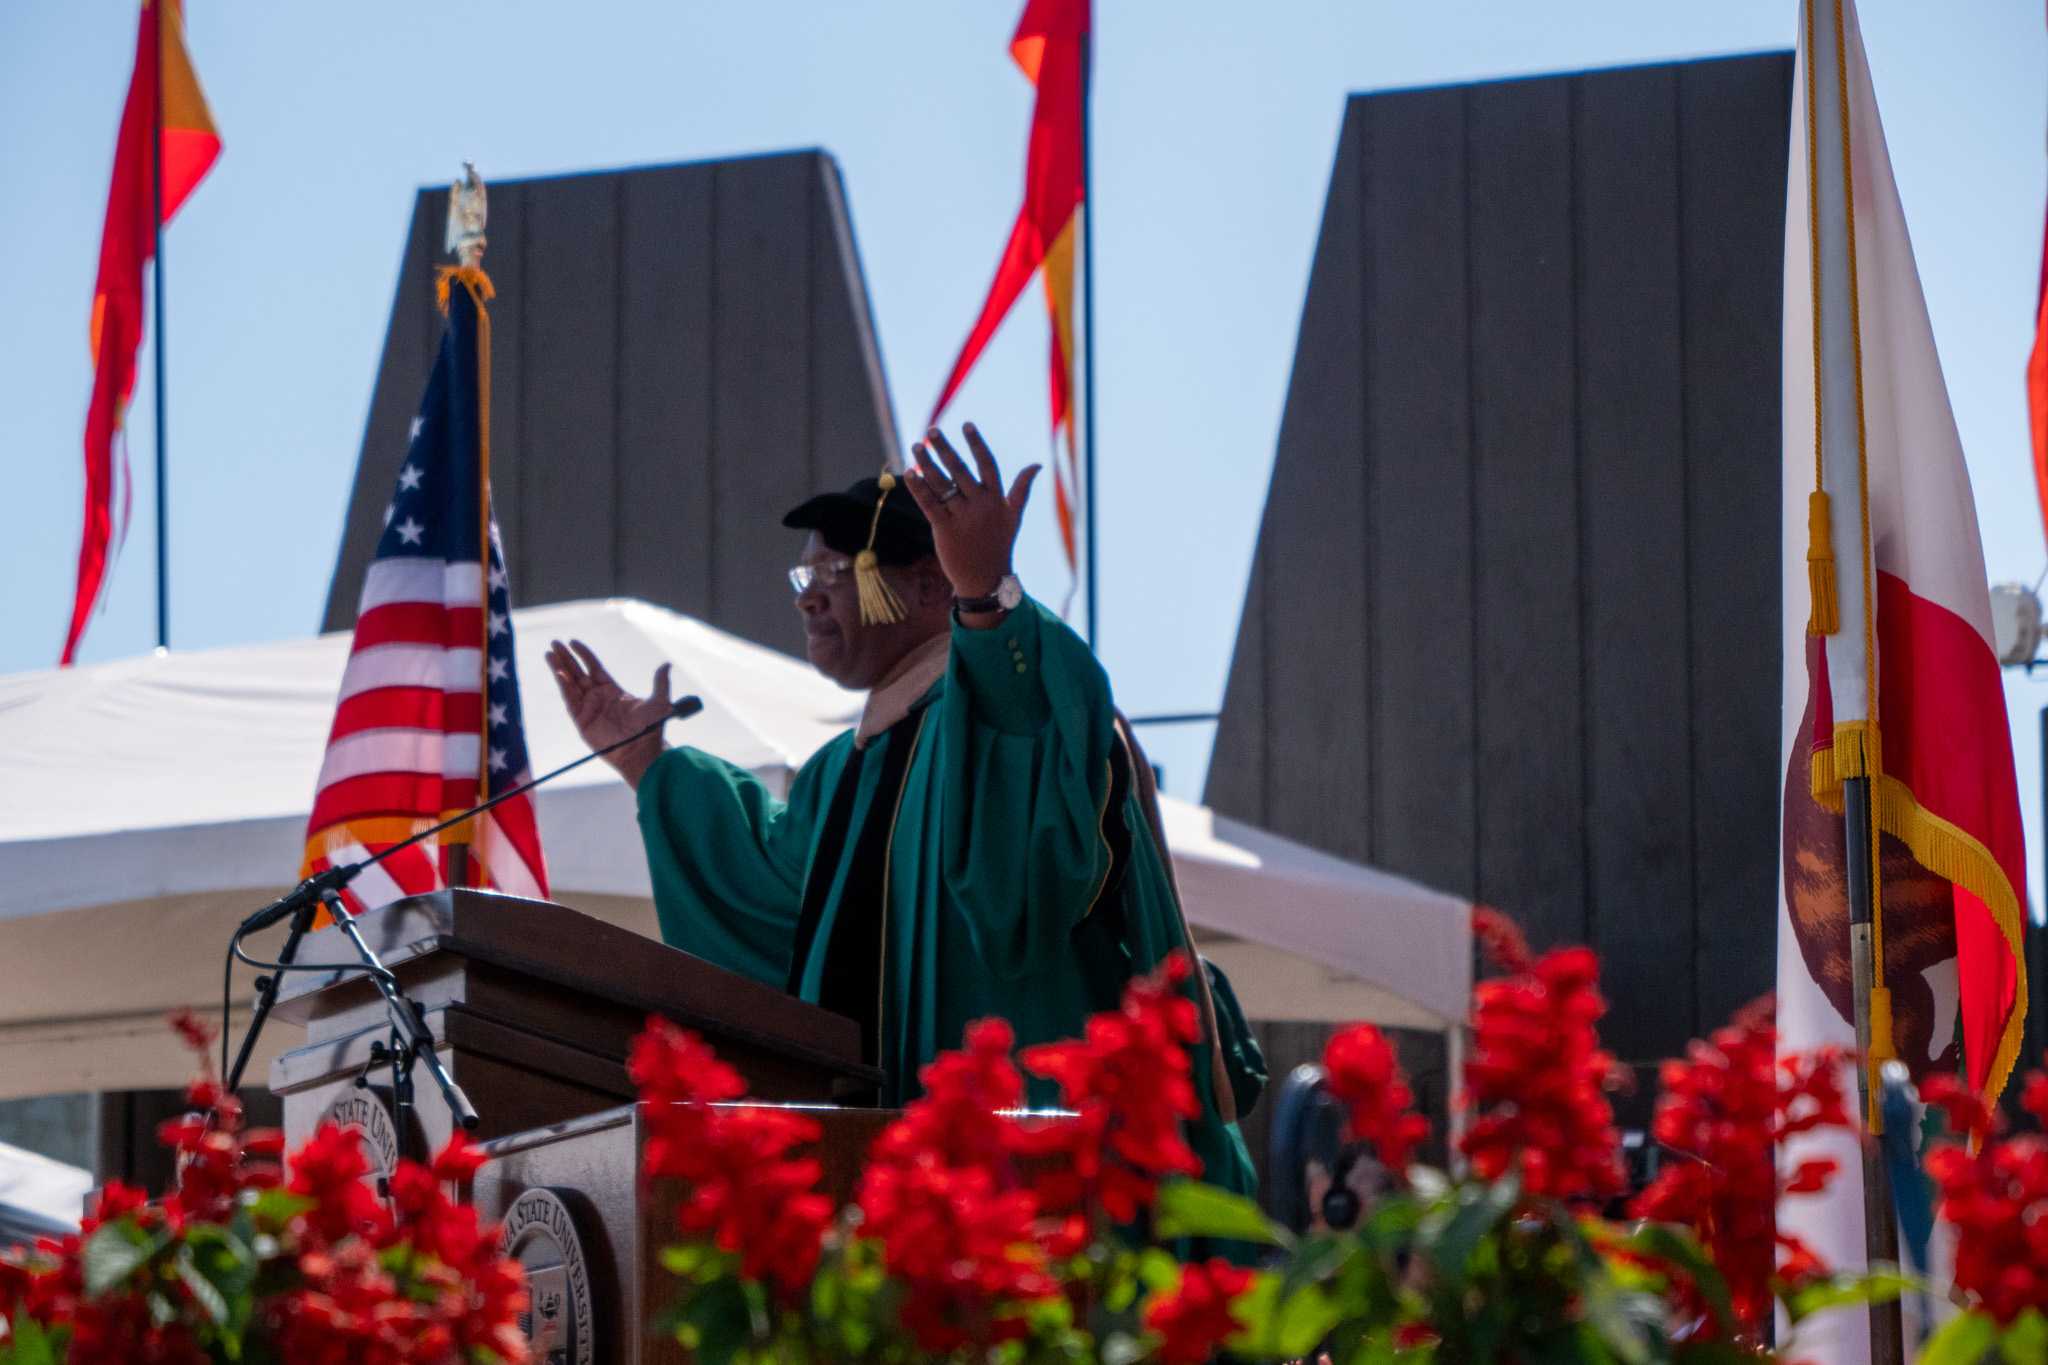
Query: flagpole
{"points": [[156, 219], [1839, 444], [1088, 317], [1880, 1215]]}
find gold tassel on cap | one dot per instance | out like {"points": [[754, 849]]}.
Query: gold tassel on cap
{"points": [[879, 604], [1820, 567]]}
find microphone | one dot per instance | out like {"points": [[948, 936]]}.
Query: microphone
{"points": [[335, 878]]}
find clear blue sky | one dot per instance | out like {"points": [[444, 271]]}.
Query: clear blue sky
{"points": [[1216, 123]]}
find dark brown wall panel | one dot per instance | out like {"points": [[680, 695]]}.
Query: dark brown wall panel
{"points": [[1632, 485], [1565, 443], [1530, 794], [679, 355], [849, 403], [1732, 118], [570, 431], [1240, 785], [666, 370], [1419, 544], [1315, 563], [761, 408]]}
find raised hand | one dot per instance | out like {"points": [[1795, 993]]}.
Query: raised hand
{"points": [[974, 519], [604, 712]]}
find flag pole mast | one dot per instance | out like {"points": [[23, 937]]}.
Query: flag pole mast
{"points": [[156, 220], [1880, 1218], [1839, 431], [468, 211], [1088, 316]]}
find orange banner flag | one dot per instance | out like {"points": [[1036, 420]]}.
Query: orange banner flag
{"points": [[163, 72], [1049, 45]]}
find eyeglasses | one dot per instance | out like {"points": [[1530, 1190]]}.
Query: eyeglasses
{"points": [[822, 575]]}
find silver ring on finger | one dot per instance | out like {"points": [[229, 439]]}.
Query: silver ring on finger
{"points": [[949, 492]]}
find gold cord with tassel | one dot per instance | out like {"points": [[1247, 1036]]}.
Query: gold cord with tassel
{"points": [[879, 604], [1826, 617]]}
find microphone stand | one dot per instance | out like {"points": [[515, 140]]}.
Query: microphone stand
{"points": [[411, 1039]]}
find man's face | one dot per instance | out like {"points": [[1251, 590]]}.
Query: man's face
{"points": [[836, 642]]}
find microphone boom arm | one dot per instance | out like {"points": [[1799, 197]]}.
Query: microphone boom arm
{"points": [[325, 886]]}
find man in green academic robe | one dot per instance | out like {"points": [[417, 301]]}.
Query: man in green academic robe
{"points": [[978, 845]]}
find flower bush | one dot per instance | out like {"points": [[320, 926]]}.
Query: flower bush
{"points": [[977, 1233], [253, 1258], [1995, 1196]]}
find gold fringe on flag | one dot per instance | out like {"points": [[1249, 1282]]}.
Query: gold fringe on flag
{"points": [[478, 283]]}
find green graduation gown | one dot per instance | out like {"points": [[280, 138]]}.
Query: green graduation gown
{"points": [[985, 855]]}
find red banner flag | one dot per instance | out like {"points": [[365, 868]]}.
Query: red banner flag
{"points": [[163, 72], [1049, 45], [2037, 385]]}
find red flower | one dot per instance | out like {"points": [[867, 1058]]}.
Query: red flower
{"points": [[329, 1170], [1129, 1081], [1536, 1081], [194, 1032], [1726, 1110], [959, 1119], [1997, 1201], [2034, 1097], [747, 1193], [968, 1254], [1962, 1107], [1501, 940], [1195, 1318], [344, 1283], [945, 1196], [1362, 1070], [448, 1295]]}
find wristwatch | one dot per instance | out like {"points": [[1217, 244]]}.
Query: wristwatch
{"points": [[1008, 596]]}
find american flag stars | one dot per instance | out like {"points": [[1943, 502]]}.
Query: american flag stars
{"points": [[428, 720]]}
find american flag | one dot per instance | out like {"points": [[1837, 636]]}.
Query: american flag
{"points": [[428, 720]]}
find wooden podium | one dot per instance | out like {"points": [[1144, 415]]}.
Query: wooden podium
{"points": [[533, 1007]]}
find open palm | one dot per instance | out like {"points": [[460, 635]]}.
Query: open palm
{"points": [[604, 712]]}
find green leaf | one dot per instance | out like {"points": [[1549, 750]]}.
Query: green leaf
{"points": [[277, 1206], [1317, 1260], [1624, 1320], [1479, 1210], [1158, 1271], [1190, 1208], [114, 1251], [1840, 1291], [719, 1321], [698, 1261], [1376, 1349], [1962, 1340], [1256, 1307], [1288, 1326], [204, 1291], [1304, 1318], [2025, 1342], [29, 1344], [1673, 1246]]}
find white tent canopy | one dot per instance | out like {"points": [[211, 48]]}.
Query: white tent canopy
{"points": [[146, 805]]}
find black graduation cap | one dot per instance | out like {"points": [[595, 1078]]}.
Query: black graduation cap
{"points": [[877, 522]]}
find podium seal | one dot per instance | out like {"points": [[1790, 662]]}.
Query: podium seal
{"points": [[365, 1112], [540, 1233]]}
